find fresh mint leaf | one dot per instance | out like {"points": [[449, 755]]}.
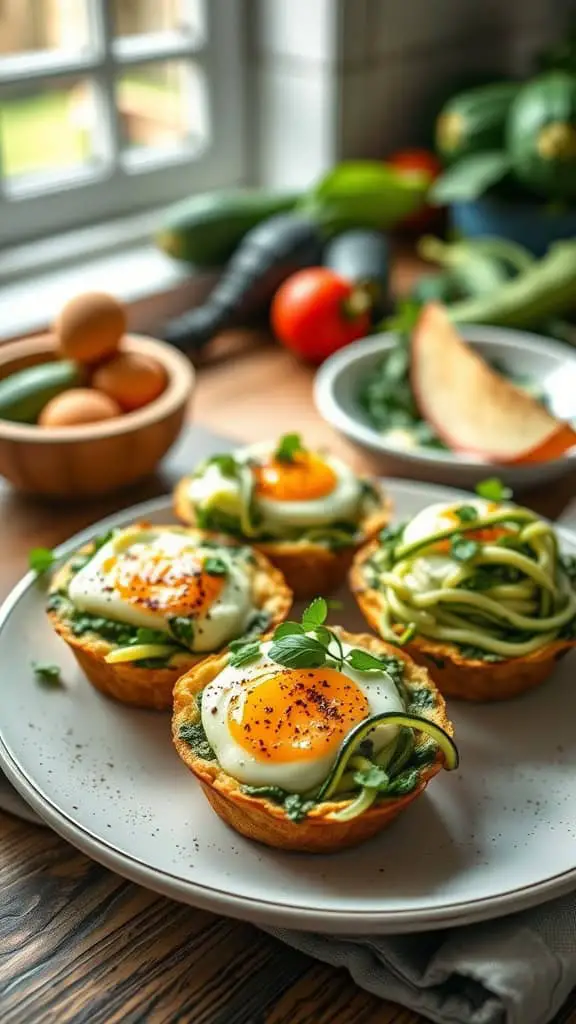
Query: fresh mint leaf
{"points": [[244, 654], [183, 629], [324, 635], [41, 559], [466, 513], [462, 549], [294, 651], [493, 489], [288, 446], [49, 674], [288, 629], [226, 464], [215, 566], [315, 614], [373, 777], [364, 662]]}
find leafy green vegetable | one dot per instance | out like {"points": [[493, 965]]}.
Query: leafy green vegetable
{"points": [[296, 807], [149, 636], [226, 464], [41, 559], [193, 734], [183, 629], [466, 513], [244, 653], [298, 651], [315, 614], [373, 777], [288, 446], [49, 674], [463, 549], [493, 489], [404, 783], [215, 566]]}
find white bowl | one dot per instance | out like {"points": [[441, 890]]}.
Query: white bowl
{"points": [[549, 363]]}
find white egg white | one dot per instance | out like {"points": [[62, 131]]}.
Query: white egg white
{"points": [[343, 503], [429, 571], [93, 589], [293, 776]]}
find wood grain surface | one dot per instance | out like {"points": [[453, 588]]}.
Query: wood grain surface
{"points": [[79, 944]]}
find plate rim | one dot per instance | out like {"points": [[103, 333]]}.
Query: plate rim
{"points": [[226, 903]]}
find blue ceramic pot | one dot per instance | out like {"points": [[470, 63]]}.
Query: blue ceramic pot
{"points": [[531, 225]]}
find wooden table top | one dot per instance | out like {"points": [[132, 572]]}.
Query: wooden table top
{"points": [[78, 943]]}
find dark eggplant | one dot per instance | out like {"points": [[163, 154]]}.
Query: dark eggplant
{"points": [[267, 255], [363, 258]]}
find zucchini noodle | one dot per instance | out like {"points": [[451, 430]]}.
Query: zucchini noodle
{"points": [[509, 597]]}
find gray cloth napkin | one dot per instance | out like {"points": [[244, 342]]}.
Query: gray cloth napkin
{"points": [[518, 970]]}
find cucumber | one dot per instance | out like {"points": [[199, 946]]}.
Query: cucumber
{"points": [[474, 121], [206, 229], [24, 394]]}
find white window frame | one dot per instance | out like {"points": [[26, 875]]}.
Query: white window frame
{"points": [[124, 185]]}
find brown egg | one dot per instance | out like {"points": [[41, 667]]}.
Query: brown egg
{"points": [[131, 379], [90, 327], [77, 406]]}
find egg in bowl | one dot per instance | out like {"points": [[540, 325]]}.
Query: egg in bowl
{"points": [[141, 605], [306, 511], [312, 739], [477, 591]]}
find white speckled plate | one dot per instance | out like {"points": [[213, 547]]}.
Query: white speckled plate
{"points": [[496, 836]]}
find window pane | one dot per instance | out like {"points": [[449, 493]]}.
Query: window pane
{"points": [[47, 131], [162, 105], [139, 17], [31, 25]]}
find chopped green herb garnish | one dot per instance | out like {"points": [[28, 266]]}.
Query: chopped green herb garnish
{"points": [[493, 489], [41, 559], [243, 652], [193, 734], [226, 464], [49, 674], [183, 630], [288, 446], [215, 566], [466, 513], [296, 807], [463, 549], [374, 778]]}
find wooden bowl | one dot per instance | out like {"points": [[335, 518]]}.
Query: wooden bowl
{"points": [[94, 458]]}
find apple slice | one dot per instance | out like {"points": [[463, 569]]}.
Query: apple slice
{"points": [[471, 407]]}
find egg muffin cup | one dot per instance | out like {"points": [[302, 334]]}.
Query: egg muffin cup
{"points": [[152, 687], [266, 822], [455, 675], [309, 568]]}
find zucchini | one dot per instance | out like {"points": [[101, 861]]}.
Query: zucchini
{"points": [[474, 121], [24, 394], [206, 229], [269, 254], [541, 135]]}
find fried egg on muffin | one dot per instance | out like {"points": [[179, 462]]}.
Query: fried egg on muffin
{"points": [[307, 511], [140, 606], [309, 756]]}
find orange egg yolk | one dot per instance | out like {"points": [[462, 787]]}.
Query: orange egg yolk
{"points": [[296, 715], [486, 534], [304, 478], [175, 585]]}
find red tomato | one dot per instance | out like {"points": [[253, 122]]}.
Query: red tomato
{"points": [[315, 312], [421, 160]]}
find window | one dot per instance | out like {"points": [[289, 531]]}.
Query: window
{"points": [[108, 107]]}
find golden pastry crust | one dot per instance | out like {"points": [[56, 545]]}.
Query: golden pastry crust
{"points": [[265, 821], [152, 687], [309, 569], [456, 676]]}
